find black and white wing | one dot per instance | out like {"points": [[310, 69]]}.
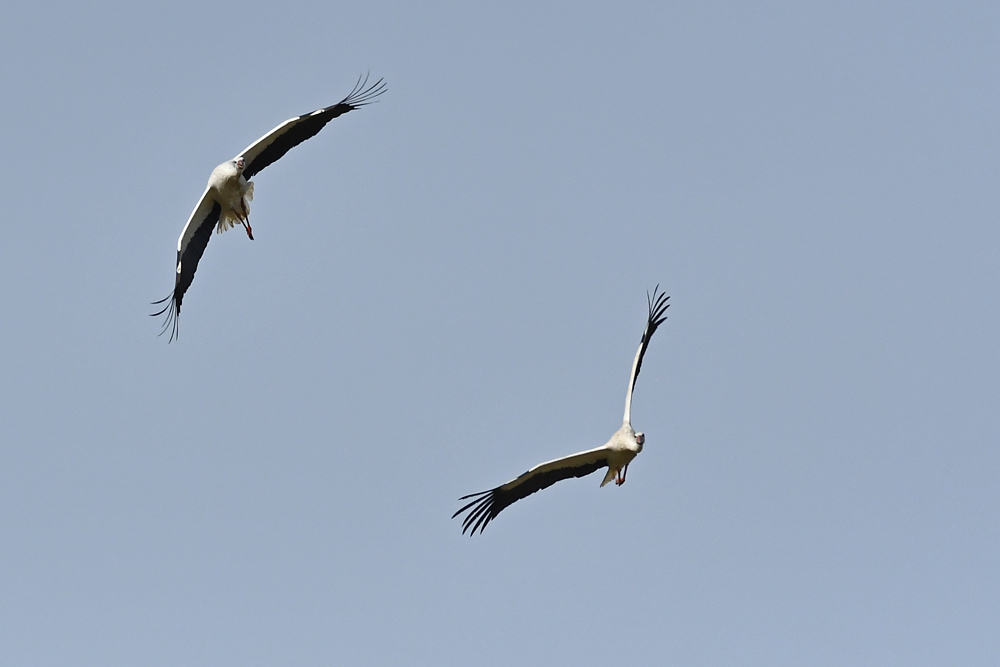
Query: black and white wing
{"points": [[294, 131], [190, 247], [487, 504], [657, 308]]}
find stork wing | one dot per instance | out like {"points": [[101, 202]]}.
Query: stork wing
{"points": [[294, 131], [657, 307], [190, 247], [487, 504]]}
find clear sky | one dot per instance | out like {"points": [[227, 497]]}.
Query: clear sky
{"points": [[448, 287]]}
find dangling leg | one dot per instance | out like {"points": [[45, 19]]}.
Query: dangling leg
{"points": [[620, 479], [245, 218]]}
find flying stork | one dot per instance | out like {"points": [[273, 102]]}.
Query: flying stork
{"points": [[615, 455], [227, 198]]}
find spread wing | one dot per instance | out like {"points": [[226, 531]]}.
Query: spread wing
{"points": [[485, 505], [657, 308], [190, 247], [294, 131]]}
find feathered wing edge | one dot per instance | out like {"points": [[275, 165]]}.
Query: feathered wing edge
{"points": [[190, 248], [657, 314], [486, 505], [272, 146]]}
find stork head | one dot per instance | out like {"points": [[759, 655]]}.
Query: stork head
{"points": [[639, 439], [239, 163]]}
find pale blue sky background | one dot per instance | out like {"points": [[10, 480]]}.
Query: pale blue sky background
{"points": [[448, 287]]}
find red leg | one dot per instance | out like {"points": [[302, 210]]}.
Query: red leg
{"points": [[245, 218]]}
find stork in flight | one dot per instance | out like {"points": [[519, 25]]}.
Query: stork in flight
{"points": [[227, 198], [615, 455]]}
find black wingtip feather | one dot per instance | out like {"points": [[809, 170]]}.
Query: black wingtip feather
{"points": [[172, 310], [657, 311], [481, 513], [657, 314], [362, 95]]}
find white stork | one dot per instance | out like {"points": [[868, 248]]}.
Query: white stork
{"points": [[227, 198], [615, 455]]}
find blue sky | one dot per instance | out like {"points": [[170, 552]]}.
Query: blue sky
{"points": [[448, 287]]}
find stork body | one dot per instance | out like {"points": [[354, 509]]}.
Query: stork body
{"points": [[615, 455], [233, 192], [226, 201], [621, 449]]}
